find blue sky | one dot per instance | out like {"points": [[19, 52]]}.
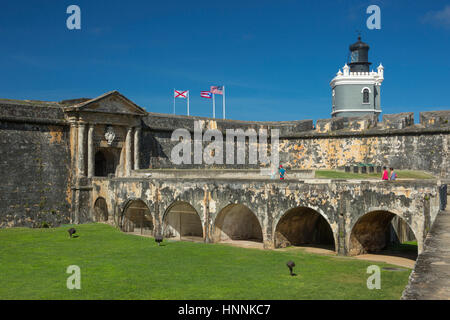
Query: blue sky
{"points": [[276, 58]]}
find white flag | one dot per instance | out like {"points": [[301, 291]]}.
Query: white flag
{"points": [[181, 94]]}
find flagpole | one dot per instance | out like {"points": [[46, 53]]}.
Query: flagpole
{"points": [[214, 106], [224, 102], [188, 102], [173, 100]]}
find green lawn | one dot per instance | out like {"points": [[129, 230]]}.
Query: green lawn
{"points": [[401, 174], [115, 265]]}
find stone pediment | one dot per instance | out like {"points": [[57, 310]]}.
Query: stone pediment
{"points": [[111, 102]]}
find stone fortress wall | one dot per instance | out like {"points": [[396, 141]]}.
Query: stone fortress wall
{"points": [[34, 164], [37, 157], [332, 143]]}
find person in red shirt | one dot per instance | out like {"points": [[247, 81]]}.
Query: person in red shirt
{"points": [[385, 174]]}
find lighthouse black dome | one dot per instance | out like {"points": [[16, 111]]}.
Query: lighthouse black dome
{"points": [[359, 45], [359, 56]]}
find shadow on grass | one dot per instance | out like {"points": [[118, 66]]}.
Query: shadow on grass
{"points": [[402, 250]]}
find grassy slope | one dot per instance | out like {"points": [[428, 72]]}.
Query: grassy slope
{"points": [[120, 266], [401, 174]]}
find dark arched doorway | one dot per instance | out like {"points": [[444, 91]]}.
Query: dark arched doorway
{"points": [[382, 232], [182, 222], [137, 218], [304, 226], [100, 210], [236, 222], [105, 163]]}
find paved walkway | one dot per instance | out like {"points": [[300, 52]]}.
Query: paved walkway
{"points": [[430, 279], [398, 261]]}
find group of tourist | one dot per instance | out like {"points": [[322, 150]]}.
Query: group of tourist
{"points": [[386, 175], [389, 176]]}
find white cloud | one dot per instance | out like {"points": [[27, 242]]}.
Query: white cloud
{"points": [[438, 18]]}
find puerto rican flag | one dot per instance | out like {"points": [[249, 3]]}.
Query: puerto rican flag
{"points": [[206, 94], [217, 89], [181, 94]]}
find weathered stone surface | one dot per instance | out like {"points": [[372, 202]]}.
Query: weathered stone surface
{"points": [[346, 123], [370, 233], [430, 152], [302, 225], [34, 174], [49, 131], [237, 222], [340, 203], [430, 279], [398, 120], [157, 132], [329, 150], [220, 173], [435, 119], [280, 241], [31, 111], [168, 123]]}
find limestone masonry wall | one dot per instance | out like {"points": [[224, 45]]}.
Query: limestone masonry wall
{"points": [[35, 145], [427, 152], [333, 143], [34, 166], [341, 203]]}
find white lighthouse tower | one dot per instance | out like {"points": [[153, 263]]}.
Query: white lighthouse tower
{"points": [[356, 91]]}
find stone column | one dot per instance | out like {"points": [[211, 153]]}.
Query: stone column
{"points": [[341, 239], [73, 147], [73, 166], [128, 151], [206, 215], [81, 151], [91, 159], [137, 134]]}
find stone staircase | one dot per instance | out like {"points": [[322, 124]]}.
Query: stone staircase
{"points": [[430, 279]]}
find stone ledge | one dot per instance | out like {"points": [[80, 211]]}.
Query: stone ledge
{"points": [[34, 120], [435, 119], [398, 120], [286, 182], [346, 123]]}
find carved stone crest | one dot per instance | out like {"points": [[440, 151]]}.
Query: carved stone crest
{"points": [[110, 135]]}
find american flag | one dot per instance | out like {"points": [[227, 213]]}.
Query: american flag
{"points": [[217, 89], [181, 94], [206, 94]]}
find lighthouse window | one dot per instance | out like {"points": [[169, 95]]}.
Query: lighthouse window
{"points": [[366, 96], [354, 56]]}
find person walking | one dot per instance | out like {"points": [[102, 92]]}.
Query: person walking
{"points": [[273, 171], [393, 175], [385, 174], [282, 172]]}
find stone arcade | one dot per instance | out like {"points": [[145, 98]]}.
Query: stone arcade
{"points": [[107, 159]]}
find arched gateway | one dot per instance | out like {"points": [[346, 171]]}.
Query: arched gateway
{"points": [[303, 226], [237, 222], [137, 218], [181, 221]]}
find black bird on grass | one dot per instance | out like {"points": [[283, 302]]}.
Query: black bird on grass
{"points": [[158, 239], [291, 264], [71, 232]]}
